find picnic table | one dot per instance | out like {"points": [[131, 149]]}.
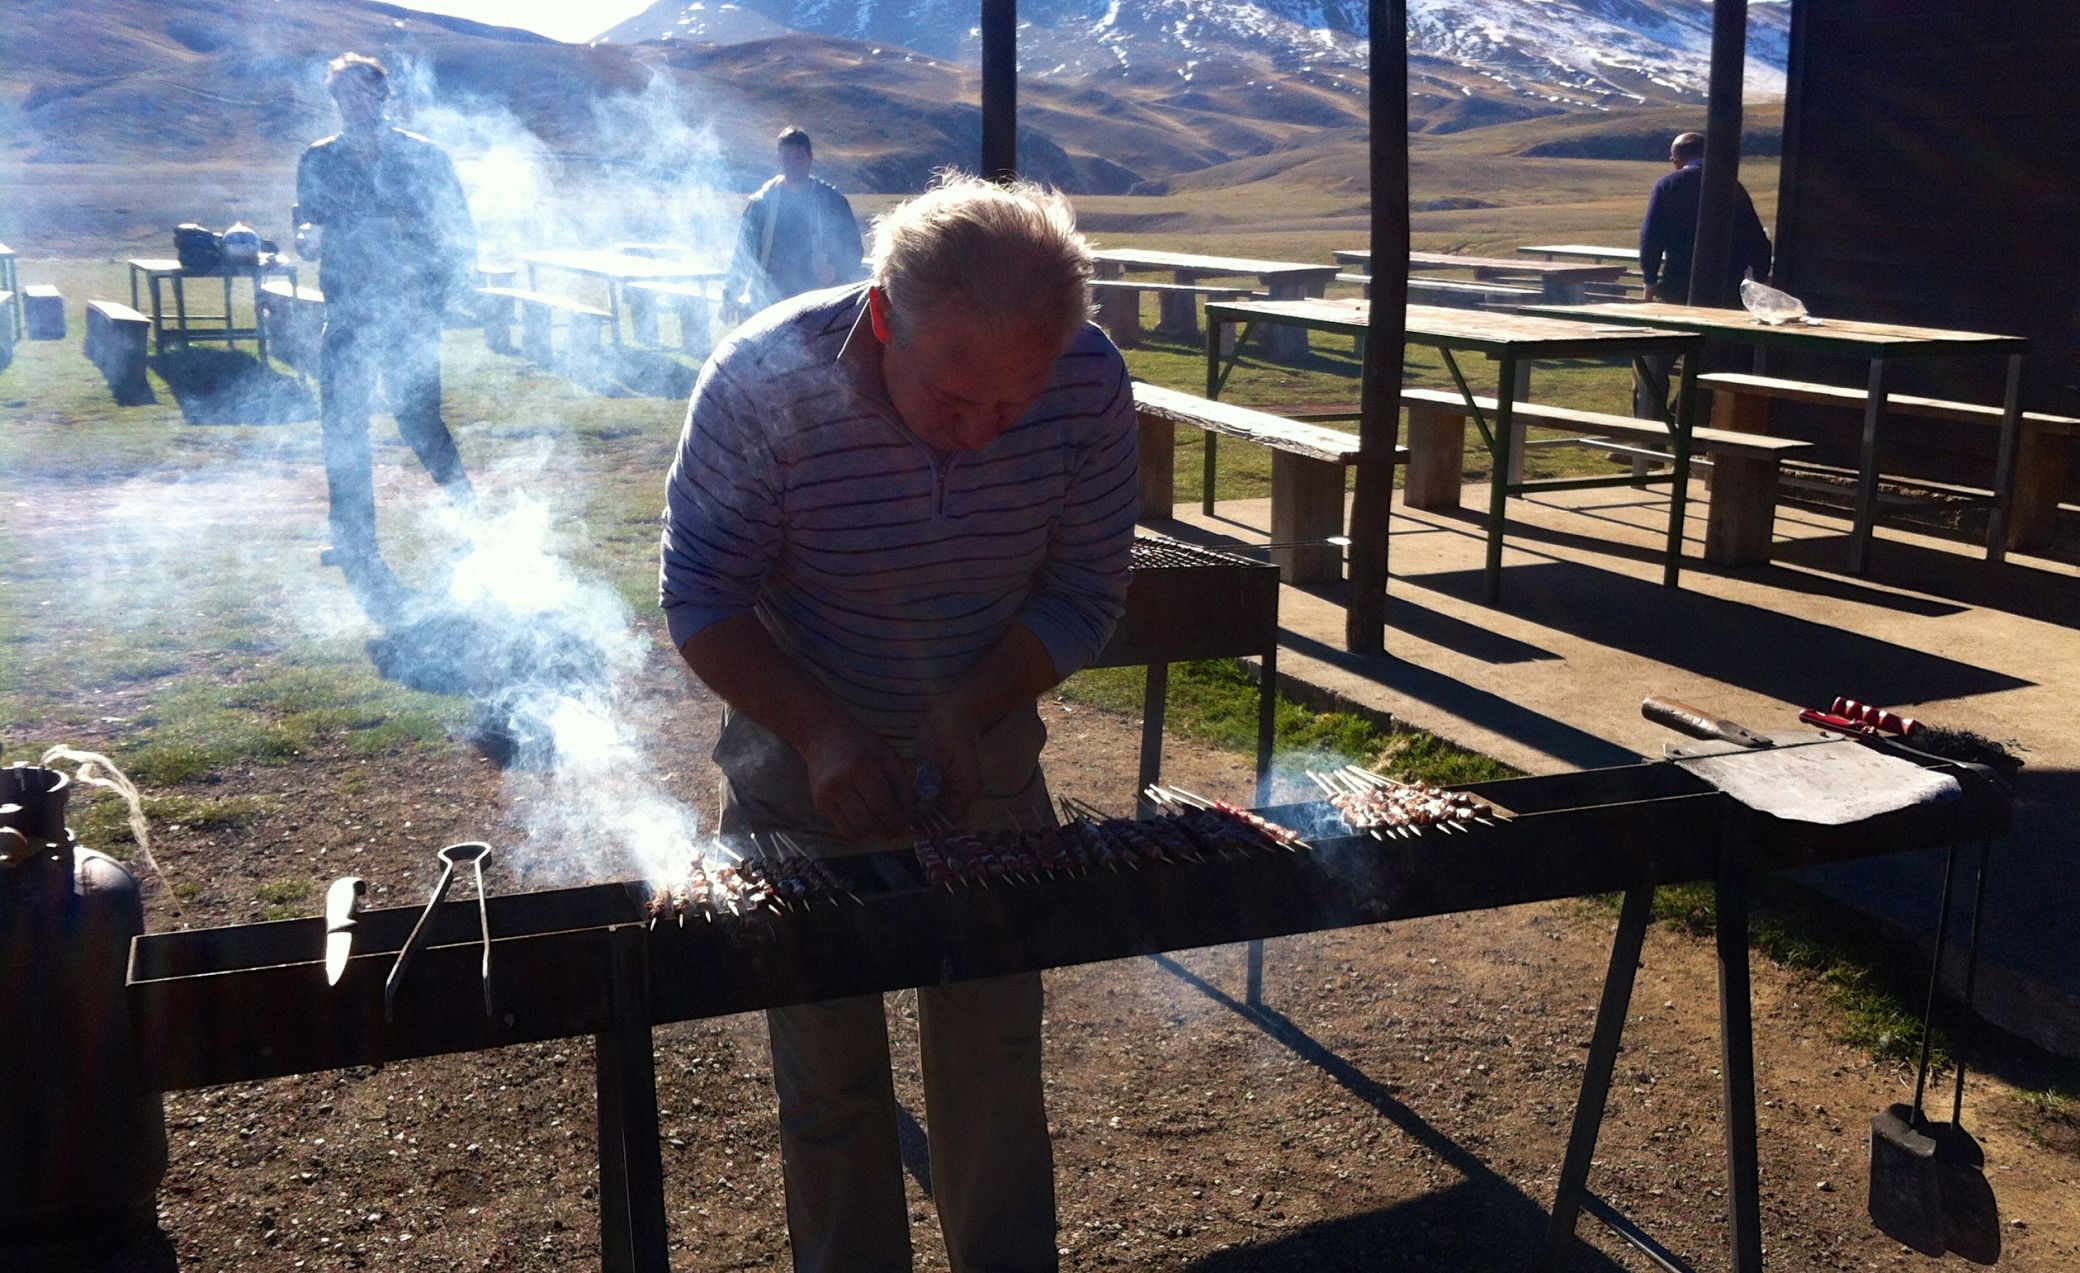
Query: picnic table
{"points": [[1558, 283], [1512, 341], [11, 284], [1879, 345], [1283, 280], [187, 328], [618, 269]]}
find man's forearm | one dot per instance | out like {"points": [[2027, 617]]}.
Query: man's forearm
{"points": [[1014, 671], [738, 659]]}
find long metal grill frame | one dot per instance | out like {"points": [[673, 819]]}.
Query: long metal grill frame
{"points": [[250, 1002]]}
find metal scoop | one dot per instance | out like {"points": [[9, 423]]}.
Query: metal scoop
{"points": [[473, 852]]}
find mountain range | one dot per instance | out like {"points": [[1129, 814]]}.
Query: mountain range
{"points": [[1596, 53]]}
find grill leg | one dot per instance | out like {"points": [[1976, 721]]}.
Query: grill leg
{"points": [[1155, 698], [631, 1174], [1573, 1192], [1737, 1054]]}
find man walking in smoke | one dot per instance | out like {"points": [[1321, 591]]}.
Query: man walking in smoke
{"points": [[798, 234], [901, 512], [384, 213]]}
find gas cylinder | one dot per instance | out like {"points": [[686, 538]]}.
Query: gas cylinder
{"points": [[82, 1144]]}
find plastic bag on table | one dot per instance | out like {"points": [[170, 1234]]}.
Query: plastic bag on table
{"points": [[1770, 306]]}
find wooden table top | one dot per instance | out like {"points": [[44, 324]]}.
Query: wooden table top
{"points": [[1455, 261], [1831, 335], [622, 266], [1588, 250], [1483, 331], [1151, 259]]}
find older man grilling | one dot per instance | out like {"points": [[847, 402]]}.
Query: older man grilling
{"points": [[900, 513]]}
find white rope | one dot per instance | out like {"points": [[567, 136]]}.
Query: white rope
{"points": [[90, 767]]}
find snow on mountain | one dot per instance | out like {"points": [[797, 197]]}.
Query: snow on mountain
{"points": [[1587, 52]]}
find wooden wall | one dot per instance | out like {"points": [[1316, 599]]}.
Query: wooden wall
{"points": [[1931, 175]]}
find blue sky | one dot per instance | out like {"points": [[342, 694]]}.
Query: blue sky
{"points": [[559, 19]]}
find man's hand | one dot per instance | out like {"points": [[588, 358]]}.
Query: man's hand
{"points": [[858, 781], [949, 739]]}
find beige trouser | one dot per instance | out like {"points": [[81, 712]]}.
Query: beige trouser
{"points": [[992, 1164]]}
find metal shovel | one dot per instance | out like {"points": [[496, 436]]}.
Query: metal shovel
{"points": [[1928, 1185]]}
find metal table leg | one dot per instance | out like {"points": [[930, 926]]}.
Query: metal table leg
{"points": [[1679, 491], [1866, 513], [1498, 482], [1214, 377], [2004, 464]]}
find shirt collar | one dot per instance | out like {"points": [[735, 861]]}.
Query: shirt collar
{"points": [[859, 357]]}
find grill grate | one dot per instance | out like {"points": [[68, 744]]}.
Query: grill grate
{"points": [[1151, 553]]}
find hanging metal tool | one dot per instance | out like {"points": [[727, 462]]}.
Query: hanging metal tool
{"points": [[473, 852], [1928, 1183]]}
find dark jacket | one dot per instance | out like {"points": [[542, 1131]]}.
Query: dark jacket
{"points": [[794, 241], [1668, 236], [397, 229]]}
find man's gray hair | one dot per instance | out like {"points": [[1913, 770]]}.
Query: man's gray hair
{"points": [[1008, 255]]}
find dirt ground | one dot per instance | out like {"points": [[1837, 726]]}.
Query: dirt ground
{"points": [[1401, 1102]]}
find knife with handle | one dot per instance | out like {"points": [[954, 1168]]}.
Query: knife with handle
{"points": [[1685, 719], [342, 913]]}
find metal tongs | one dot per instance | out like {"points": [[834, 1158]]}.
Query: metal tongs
{"points": [[473, 852]]}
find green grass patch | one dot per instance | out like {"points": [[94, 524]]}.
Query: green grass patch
{"points": [[1878, 994], [1215, 702]]}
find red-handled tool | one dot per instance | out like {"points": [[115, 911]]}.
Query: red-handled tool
{"points": [[1875, 717]]}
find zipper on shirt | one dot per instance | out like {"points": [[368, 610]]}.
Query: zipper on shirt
{"points": [[942, 470]]}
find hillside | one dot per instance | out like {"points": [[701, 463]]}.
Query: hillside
{"points": [[1534, 54], [119, 120]]}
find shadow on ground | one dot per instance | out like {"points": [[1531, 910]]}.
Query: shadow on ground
{"points": [[1485, 1222], [223, 386]]}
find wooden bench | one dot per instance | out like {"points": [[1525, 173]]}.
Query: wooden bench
{"points": [[1741, 402], [1738, 528], [117, 336], [695, 304], [1307, 464], [1458, 294], [44, 310], [586, 324], [1119, 308], [295, 319]]}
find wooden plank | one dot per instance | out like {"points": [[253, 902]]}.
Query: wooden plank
{"points": [[1246, 424], [1603, 424], [1833, 335], [1436, 457], [1192, 262], [1479, 331], [1739, 383], [547, 300], [1158, 444], [1587, 250], [1190, 289]]}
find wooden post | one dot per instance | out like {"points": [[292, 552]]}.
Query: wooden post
{"points": [[1306, 504], [2040, 477], [1000, 89], [1158, 468], [1386, 333], [1722, 156], [1436, 457]]}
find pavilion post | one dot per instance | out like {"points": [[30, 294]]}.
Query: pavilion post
{"points": [[1386, 332], [1722, 156], [1000, 89]]}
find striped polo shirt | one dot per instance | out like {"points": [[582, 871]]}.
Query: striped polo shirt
{"points": [[884, 566]]}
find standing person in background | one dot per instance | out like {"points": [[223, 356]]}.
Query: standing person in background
{"points": [[1668, 239], [901, 512], [1668, 235], [384, 214], [798, 235]]}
